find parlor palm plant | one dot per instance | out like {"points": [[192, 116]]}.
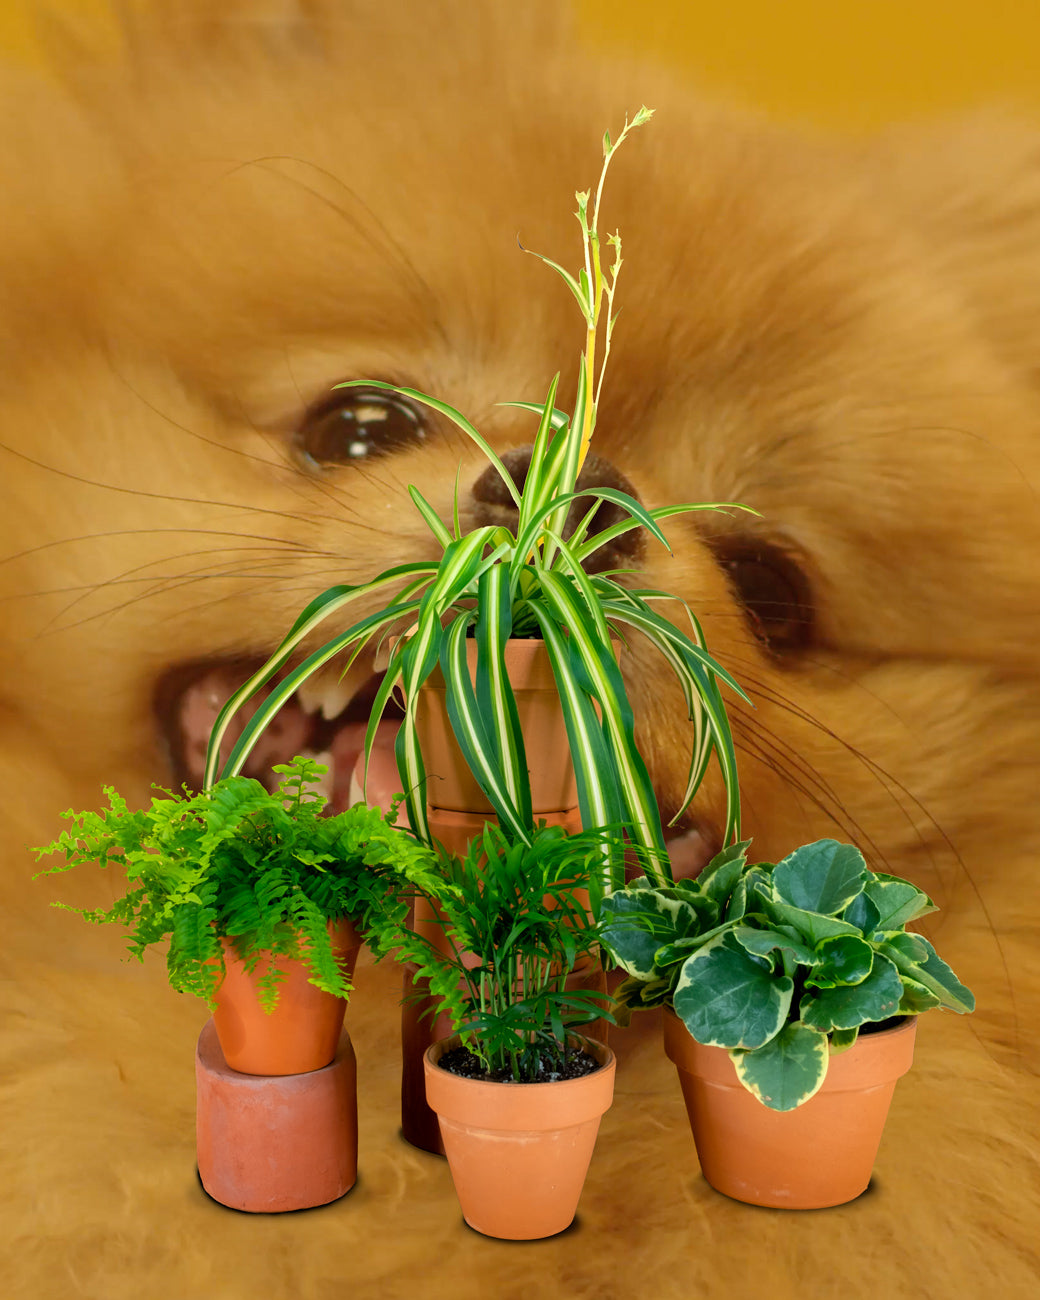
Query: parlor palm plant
{"points": [[517, 1090], [495, 583], [513, 924]]}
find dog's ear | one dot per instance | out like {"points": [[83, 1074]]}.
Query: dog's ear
{"points": [[169, 37], [972, 189], [199, 30], [204, 27]]}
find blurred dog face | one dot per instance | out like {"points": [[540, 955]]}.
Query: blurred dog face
{"points": [[197, 248]]}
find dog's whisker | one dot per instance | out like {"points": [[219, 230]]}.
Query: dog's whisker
{"points": [[146, 532], [93, 588], [901, 795], [427, 300], [207, 502], [172, 585], [288, 584], [798, 774], [284, 554]]}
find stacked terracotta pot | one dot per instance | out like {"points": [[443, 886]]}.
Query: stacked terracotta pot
{"points": [[276, 1093]]}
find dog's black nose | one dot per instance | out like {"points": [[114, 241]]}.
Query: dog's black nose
{"points": [[494, 505]]}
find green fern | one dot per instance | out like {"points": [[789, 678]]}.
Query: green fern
{"points": [[266, 870]]}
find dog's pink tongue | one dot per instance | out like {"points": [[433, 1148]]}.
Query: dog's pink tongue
{"points": [[382, 782], [348, 763], [291, 731]]}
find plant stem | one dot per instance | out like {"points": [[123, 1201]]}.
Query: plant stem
{"points": [[594, 270]]}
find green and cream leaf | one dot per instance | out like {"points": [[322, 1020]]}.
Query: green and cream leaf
{"points": [[785, 1072], [898, 902], [822, 877], [635, 923], [727, 998], [844, 1007]]}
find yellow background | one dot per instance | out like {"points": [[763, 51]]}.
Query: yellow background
{"points": [[846, 63]]}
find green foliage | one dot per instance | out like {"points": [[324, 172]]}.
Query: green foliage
{"points": [[266, 870], [515, 918], [494, 583], [781, 964]]}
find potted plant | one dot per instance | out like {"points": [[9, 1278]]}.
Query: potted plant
{"points": [[507, 608], [262, 899], [494, 586], [791, 993], [257, 893], [517, 1090]]}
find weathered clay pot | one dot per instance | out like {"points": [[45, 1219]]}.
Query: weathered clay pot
{"points": [[821, 1153], [420, 1030], [275, 1143], [302, 1031], [519, 1153]]}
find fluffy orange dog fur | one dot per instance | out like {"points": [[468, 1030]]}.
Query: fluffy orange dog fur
{"points": [[199, 238]]}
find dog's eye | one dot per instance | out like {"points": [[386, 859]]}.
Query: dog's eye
{"points": [[773, 589], [356, 424]]}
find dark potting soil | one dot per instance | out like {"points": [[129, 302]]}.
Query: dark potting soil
{"points": [[878, 1026], [459, 1061]]}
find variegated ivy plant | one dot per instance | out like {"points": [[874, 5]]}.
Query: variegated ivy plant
{"points": [[493, 583], [780, 964]]}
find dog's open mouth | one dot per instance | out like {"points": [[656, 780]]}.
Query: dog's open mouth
{"points": [[326, 719]]}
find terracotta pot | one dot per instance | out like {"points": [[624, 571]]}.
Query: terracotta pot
{"points": [[519, 1153], [302, 1031], [420, 1029], [275, 1143], [818, 1155], [450, 783]]}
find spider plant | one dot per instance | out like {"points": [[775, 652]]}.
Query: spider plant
{"points": [[493, 583]]}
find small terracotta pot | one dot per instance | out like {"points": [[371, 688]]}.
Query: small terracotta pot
{"points": [[302, 1032], [450, 783], [420, 1029], [519, 1152], [821, 1153]]}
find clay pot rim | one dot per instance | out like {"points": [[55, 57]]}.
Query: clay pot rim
{"points": [[527, 662], [492, 1106], [343, 932], [601, 1052], [888, 1053]]}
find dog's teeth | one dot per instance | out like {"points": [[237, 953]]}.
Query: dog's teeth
{"points": [[310, 694], [325, 692], [335, 698]]}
